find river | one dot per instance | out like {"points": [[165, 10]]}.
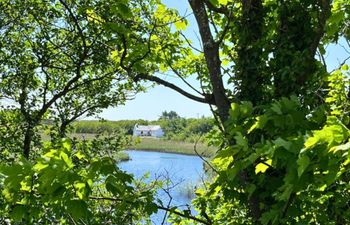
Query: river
{"points": [[185, 171]]}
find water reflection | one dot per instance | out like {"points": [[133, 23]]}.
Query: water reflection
{"points": [[184, 171]]}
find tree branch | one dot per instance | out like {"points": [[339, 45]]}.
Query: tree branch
{"points": [[159, 207], [325, 6], [190, 44], [208, 99], [185, 216], [181, 77], [76, 22]]}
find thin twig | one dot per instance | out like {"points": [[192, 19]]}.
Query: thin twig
{"points": [[341, 64], [159, 207], [201, 157], [190, 44], [71, 218]]}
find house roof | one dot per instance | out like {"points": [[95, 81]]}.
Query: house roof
{"points": [[147, 128]]}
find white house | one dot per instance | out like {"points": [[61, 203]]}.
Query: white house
{"points": [[150, 130]]}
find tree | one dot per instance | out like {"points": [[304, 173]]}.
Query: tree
{"points": [[169, 115], [283, 117], [56, 63], [53, 66], [262, 67]]}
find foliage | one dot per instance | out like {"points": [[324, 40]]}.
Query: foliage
{"points": [[177, 128], [10, 138], [282, 118], [282, 115], [52, 66], [181, 129], [279, 111], [93, 127], [67, 185], [297, 162], [169, 115]]}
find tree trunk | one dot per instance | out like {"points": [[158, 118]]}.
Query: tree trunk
{"points": [[250, 63], [63, 129], [28, 137], [211, 54]]}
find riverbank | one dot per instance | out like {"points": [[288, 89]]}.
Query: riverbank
{"points": [[121, 156], [169, 146], [155, 145]]}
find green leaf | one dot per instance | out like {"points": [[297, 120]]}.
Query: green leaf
{"points": [[250, 189], [19, 212], [331, 134], [246, 108], [66, 145], [276, 108], [113, 186], [107, 166], [322, 188], [122, 10], [284, 196], [302, 162], [80, 189], [241, 140], [262, 167], [259, 124], [151, 208], [79, 155], [343, 147], [52, 153], [67, 160], [40, 166], [234, 112], [223, 2], [280, 142], [118, 28], [214, 2], [181, 25], [345, 67], [78, 209]]}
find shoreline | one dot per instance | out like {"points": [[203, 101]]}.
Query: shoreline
{"points": [[171, 146], [162, 151], [157, 145]]}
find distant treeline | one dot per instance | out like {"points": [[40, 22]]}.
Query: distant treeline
{"points": [[95, 126], [174, 126]]}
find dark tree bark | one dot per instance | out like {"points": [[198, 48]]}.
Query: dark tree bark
{"points": [[211, 54], [28, 137]]}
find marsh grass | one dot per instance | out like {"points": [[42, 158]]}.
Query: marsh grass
{"points": [[162, 145], [121, 156], [154, 144], [187, 190]]}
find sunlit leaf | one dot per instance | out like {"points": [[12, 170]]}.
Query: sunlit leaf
{"points": [[262, 167]]}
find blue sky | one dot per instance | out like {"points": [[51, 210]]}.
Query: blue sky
{"points": [[151, 104]]}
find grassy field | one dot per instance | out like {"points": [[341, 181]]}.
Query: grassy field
{"points": [[156, 144], [161, 145], [79, 136]]}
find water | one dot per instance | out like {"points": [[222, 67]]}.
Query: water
{"points": [[185, 172]]}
